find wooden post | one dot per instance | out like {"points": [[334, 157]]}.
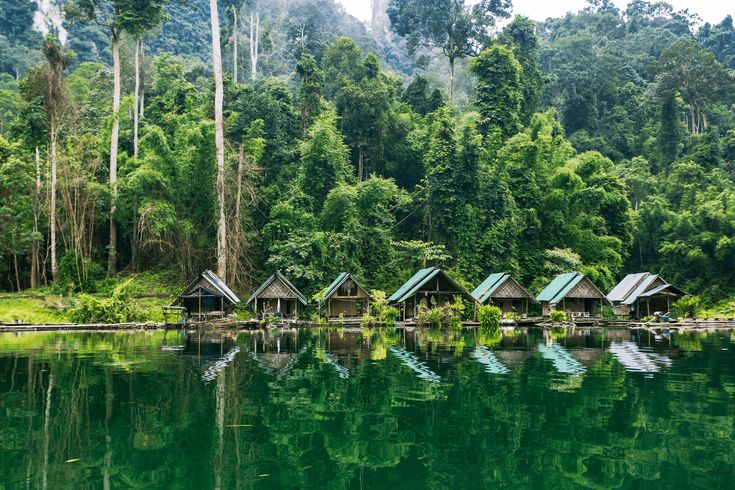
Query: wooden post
{"points": [[648, 307], [296, 309]]}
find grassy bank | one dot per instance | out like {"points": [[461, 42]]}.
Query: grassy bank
{"points": [[147, 292]]}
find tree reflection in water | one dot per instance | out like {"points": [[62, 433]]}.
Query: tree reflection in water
{"points": [[415, 409]]}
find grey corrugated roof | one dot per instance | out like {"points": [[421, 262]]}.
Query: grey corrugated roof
{"points": [[217, 285], [338, 282], [285, 281], [626, 286], [220, 284], [642, 287], [661, 288]]}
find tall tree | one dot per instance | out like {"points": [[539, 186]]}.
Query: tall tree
{"points": [[691, 70], [499, 90], [233, 8], [137, 17], [520, 36], [310, 91], [362, 104], [107, 14], [457, 27], [219, 140], [324, 159], [47, 83]]}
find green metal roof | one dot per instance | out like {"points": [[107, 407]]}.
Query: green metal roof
{"points": [[273, 277], [423, 276], [410, 284], [559, 287], [489, 285], [562, 285], [338, 282]]}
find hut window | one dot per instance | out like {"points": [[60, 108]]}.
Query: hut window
{"points": [[348, 289]]}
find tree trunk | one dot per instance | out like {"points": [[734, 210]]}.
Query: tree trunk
{"points": [[360, 163], [135, 98], [234, 44], [236, 238], [142, 78], [254, 41], [35, 258], [112, 259], [52, 203], [219, 140], [451, 79], [17, 271]]}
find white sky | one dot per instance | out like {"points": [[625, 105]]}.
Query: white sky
{"points": [[712, 11]]}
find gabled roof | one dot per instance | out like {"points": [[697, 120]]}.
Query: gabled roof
{"points": [[562, 285], [338, 282], [640, 285], [216, 286], [558, 285], [286, 282], [490, 284], [626, 286], [484, 291], [410, 283], [663, 288], [413, 285]]}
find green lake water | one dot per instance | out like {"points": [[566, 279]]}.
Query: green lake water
{"points": [[367, 409]]}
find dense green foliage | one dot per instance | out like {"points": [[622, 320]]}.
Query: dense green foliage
{"points": [[603, 141]]}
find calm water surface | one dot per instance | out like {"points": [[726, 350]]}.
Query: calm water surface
{"points": [[367, 409]]}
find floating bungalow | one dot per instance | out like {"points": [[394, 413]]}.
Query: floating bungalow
{"points": [[574, 294], [277, 298], [346, 298], [643, 294], [206, 297], [500, 289], [432, 286]]}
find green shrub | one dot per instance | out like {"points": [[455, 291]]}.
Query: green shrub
{"points": [[489, 317], [458, 306], [390, 314], [115, 308], [558, 316], [367, 320], [435, 316], [687, 307], [77, 274], [379, 302]]}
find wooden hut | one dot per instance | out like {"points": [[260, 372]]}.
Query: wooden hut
{"points": [[574, 294], [278, 298], [346, 297], [207, 296], [432, 286], [643, 294], [503, 291]]}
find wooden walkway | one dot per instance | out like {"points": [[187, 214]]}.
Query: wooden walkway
{"points": [[699, 325]]}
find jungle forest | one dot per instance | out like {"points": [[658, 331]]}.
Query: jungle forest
{"points": [[248, 136]]}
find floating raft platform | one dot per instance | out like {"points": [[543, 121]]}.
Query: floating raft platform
{"points": [[231, 324]]}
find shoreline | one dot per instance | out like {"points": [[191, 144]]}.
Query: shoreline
{"points": [[697, 325]]}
